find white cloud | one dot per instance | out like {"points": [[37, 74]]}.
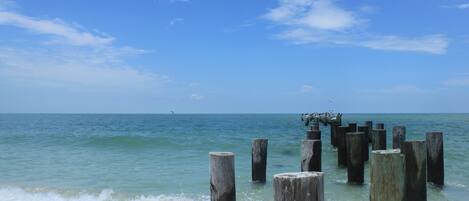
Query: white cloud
{"points": [[73, 69], [434, 44], [179, 1], [196, 97], [463, 6], [459, 82], [319, 14], [306, 88], [82, 61], [322, 21], [175, 21], [325, 15], [194, 84], [59, 31], [394, 90]]}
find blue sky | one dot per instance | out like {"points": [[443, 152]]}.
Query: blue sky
{"points": [[216, 56]]}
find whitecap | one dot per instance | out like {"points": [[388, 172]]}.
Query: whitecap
{"points": [[40, 194]]}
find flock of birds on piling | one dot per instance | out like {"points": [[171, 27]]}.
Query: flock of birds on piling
{"points": [[324, 118]]}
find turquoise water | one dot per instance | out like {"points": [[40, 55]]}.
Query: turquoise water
{"points": [[165, 157]]}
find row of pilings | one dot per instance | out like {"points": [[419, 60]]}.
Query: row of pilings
{"points": [[400, 173]]}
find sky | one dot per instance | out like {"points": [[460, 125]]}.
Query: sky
{"points": [[243, 56]]}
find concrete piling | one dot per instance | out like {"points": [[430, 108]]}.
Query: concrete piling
{"points": [[222, 176], [341, 146], [259, 160], [313, 135], [387, 175], [296, 186], [355, 162], [398, 136], [365, 147], [435, 159], [311, 155], [379, 139], [415, 185]]}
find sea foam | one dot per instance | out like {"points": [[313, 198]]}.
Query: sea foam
{"points": [[20, 194]]}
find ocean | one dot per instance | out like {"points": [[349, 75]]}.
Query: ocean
{"points": [[147, 157]]}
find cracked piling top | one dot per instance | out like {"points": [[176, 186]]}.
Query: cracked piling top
{"points": [[388, 151], [297, 175]]}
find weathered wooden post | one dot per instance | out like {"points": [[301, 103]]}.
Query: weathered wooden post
{"points": [[435, 160], [415, 185], [315, 126], [370, 129], [355, 162], [398, 136], [352, 127], [259, 160], [222, 176], [366, 151], [299, 186], [379, 139], [379, 126], [334, 134], [341, 146], [313, 135], [387, 175], [311, 155]]}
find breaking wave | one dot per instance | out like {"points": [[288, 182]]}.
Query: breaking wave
{"points": [[20, 194]]}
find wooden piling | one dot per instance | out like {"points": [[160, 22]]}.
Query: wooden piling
{"points": [[398, 136], [355, 162], [387, 175], [315, 126], [299, 186], [334, 134], [352, 127], [379, 139], [435, 159], [259, 160], [222, 176], [341, 146], [365, 147], [379, 126], [415, 185], [369, 124], [313, 135], [311, 155]]}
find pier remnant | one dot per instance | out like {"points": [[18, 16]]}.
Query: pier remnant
{"points": [[310, 155], [398, 136], [355, 162], [415, 185], [313, 135], [435, 160], [352, 127], [222, 176], [315, 126], [369, 124], [296, 186], [379, 126], [334, 134], [365, 147], [387, 175], [341, 146], [379, 139], [259, 160]]}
